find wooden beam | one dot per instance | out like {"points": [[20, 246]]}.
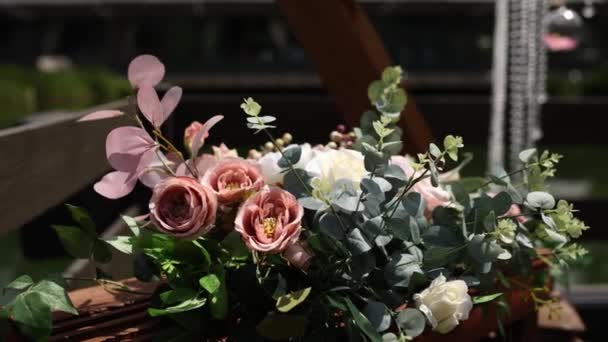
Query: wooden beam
{"points": [[47, 160], [348, 54]]}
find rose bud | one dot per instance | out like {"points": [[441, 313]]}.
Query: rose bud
{"points": [[299, 255], [270, 220], [183, 207], [233, 180]]}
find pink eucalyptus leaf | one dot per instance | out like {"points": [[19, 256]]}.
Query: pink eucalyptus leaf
{"points": [[153, 175], [128, 140], [146, 160], [150, 106], [124, 162], [115, 185], [145, 70], [102, 114], [170, 101], [199, 139]]}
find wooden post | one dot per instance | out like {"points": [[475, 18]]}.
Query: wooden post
{"points": [[348, 55]]}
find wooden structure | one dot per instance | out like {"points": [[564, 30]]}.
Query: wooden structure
{"points": [[48, 159], [349, 55]]}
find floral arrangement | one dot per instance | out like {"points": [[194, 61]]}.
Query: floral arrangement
{"points": [[347, 239]]}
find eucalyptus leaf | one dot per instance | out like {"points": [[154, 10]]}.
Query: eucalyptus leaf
{"points": [[362, 322], [378, 315], [330, 226], [414, 204], [411, 321], [527, 155], [290, 155], [501, 203], [483, 250], [434, 150], [400, 268], [356, 242], [312, 203], [540, 199]]}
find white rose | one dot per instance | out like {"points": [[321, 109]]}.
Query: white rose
{"points": [[444, 303], [332, 165], [272, 172]]}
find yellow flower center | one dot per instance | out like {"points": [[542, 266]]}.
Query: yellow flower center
{"points": [[233, 186], [270, 225]]}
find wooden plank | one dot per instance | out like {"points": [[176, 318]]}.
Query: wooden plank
{"points": [[48, 159], [348, 55]]}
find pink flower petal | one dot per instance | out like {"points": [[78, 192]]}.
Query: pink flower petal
{"points": [[199, 138], [169, 102], [145, 70], [102, 114], [115, 185], [128, 140], [150, 106]]}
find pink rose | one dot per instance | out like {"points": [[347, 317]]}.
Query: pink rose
{"points": [[183, 207], [270, 220], [433, 196], [299, 255], [233, 180]]}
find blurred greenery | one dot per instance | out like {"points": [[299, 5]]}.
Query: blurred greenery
{"points": [[24, 91]]}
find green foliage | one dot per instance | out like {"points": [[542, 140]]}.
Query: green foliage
{"points": [[289, 301]]}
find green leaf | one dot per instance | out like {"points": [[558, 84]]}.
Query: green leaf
{"points": [[32, 315], [292, 183], [411, 321], [177, 295], [362, 322], [80, 216], [218, 300], [414, 204], [54, 296], [461, 195], [487, 298], [489, 222], [210, 282], [121, 243], [132, 224], [378, 315], [289, 301], [282, 326], [21, 283], [348, 204], [400, 269], [234, 245], [187, 305], [471, 184], [290, 155], [102, 252], [540, 199], [75, 241]]}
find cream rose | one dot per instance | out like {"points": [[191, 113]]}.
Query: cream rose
{"points": [[444, 303], [332, 165]]}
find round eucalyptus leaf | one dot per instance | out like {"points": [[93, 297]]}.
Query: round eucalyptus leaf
{"points": [[377, 314], [540, 199], [412, 321]]}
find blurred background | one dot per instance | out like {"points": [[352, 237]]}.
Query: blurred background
{"points": [[61, 58]]}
